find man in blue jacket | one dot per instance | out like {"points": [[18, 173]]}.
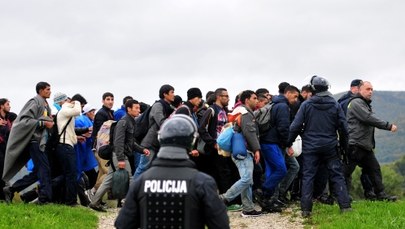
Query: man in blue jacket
{"points": [[318, 120], [273, 144]]}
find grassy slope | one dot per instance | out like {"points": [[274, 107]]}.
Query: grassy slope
{"points": [[365, 214], [20, 215]]}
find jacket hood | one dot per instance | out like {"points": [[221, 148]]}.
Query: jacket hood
{"points": [[280, 99], [348, 95], [322, 102]]}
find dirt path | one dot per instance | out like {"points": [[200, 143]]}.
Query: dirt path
{"points": [[290, 219]]}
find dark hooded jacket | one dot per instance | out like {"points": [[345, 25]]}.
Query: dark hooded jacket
{"points": [[344, 100], [193, 206], [280, 122], [319, 119]]}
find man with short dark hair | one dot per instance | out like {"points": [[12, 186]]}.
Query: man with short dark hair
{"points": [[6, 120], [118, 114], [28, 138], [159, 112], [124, 145], [220, 165], [354, 89], [273, 144], [105, 113], [248, 128]]}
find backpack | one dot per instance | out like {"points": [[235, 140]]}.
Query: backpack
{"points": [[142, 124], [105, 140], [263, 118], [54, 136]]}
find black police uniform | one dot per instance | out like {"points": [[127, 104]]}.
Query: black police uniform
{"points": [[173, 194]]}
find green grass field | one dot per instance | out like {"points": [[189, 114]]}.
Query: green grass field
{"points": [[19, 215], [365, 214]]}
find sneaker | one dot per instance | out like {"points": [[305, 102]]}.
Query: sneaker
{"points": [[97, 207], [89, 193], [234, 208], [344, 210], [259, 197], [283, 200], [253, 213], [382, 196], [271, 207], [370, 195], [306, 214], [326, 199], [8, 194], [280, 203], [222, 198]]}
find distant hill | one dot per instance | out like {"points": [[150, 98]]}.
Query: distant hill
{"points": [[389, 106]]}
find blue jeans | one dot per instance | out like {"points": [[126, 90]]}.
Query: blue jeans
{"points": [[275, 167], [144, 163], [243, 186], [310, 165]]}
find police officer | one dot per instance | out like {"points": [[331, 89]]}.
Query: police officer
{"points": [[172, 193], [318, 120]]}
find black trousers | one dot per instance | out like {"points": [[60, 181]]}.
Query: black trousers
{"points": [[2, 155], [368, 162], [311, 163], [67, 160]]}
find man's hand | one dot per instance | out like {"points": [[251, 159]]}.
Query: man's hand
{"points": [[257, 157], [81, 139], [146, 152], [290, 151], [394, 128], [194, 153], [121, 164], [48, 124], [88, 133]]}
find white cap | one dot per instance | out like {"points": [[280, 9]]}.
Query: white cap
{"points": [[87, 108]]}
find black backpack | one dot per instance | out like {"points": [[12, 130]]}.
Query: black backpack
{"points": [[54, 136], [142, 124]]}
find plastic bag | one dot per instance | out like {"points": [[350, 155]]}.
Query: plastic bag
{"points": [[120, 183], [224, 139], [239, 150]]}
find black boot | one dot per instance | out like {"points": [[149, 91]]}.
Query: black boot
{"points": [[382, 196], [8, 194]]}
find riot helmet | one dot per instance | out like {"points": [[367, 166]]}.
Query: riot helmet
{"points": [[177, 137], [319, 84]]}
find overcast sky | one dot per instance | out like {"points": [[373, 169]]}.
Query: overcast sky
{"points": [[133, 47]]}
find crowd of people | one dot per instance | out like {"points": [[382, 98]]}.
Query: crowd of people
{"points": [[181, 145]]}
